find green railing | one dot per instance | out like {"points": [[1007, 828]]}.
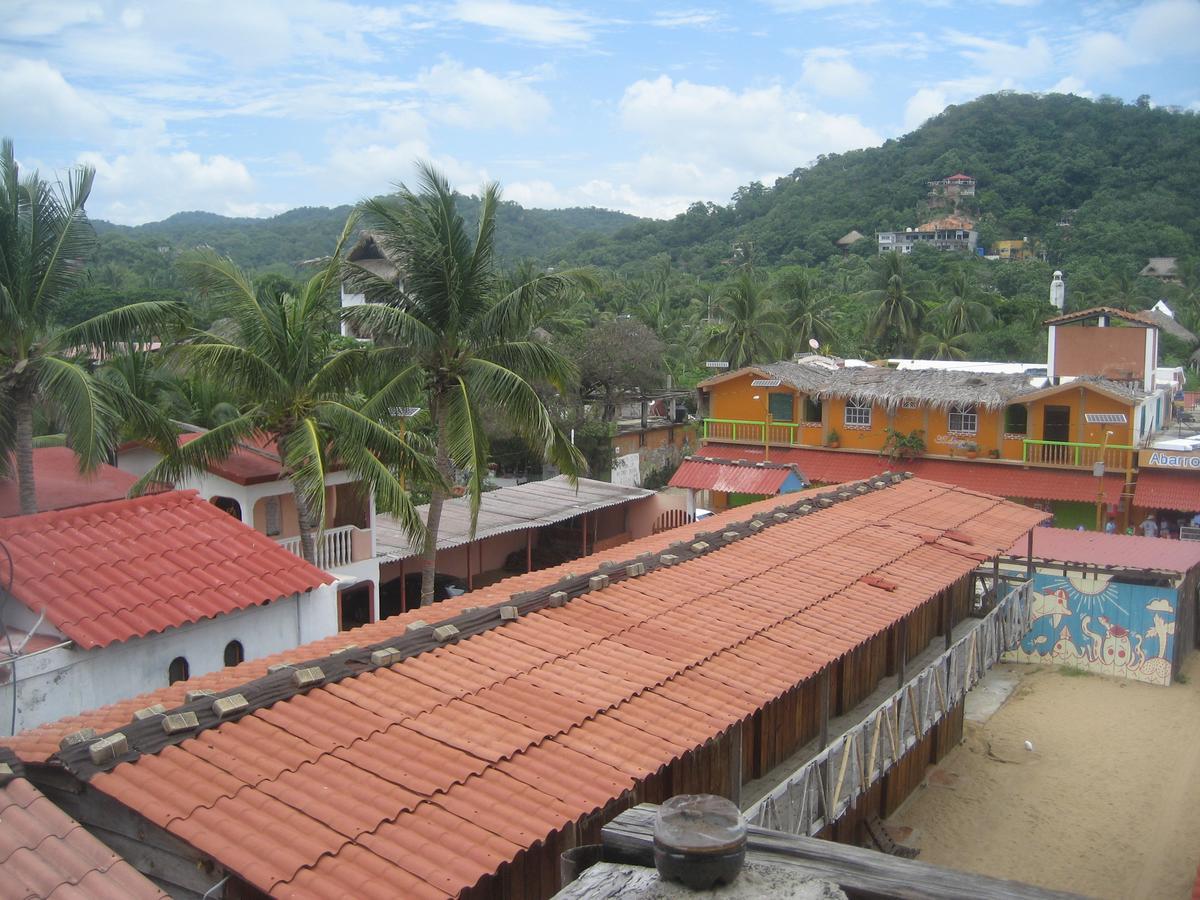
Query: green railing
{"points": [[1077, 455], [750, 431]]}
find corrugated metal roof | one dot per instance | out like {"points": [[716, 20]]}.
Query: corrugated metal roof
{"points": [[506, 509], [45, 853], [1121, 550], [113, 571], [422, 778], [1179, 491], [702, 474], [1031, 483]]}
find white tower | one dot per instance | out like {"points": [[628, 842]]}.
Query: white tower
{"points": [[1058, 291]]}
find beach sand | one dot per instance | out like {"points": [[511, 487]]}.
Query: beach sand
{"points": [[1107, 804]]}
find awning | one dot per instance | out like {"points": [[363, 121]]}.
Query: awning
{"points": [[1156, 489], [996, 478], [704, 474], [507, 509]]}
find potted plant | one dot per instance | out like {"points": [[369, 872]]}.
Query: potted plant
{"points": [[900, 446], [834, 439], [994, 453], [971, 449]]}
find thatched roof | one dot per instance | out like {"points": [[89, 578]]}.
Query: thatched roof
{"points": [[821, 377], [1170, 325], [851, 237], [1166, 267], [366, 255]]}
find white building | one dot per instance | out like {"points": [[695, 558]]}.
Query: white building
{"points": [[250, 486], [114, 599]]}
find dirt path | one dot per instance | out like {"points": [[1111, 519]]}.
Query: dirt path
{"points": [[1107, 803]]}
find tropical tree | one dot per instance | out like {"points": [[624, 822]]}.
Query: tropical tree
{"points": [[460, 337], [295, 392], [960, 308], [808, 310], [750, 328], [943, 342], [45, 237], [896, 319]]}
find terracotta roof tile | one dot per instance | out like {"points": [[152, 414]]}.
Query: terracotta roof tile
{"points": [[1179, 491], [404, 781], [113, 571], [45, 853], [59, 484]]}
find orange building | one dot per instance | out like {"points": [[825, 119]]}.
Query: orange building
{"points": [[1038, 438]]}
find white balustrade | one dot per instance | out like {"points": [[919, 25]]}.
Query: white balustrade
{"points": [[335, 546]]}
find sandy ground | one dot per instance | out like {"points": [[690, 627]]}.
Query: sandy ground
{"points": [[1107, 804]]}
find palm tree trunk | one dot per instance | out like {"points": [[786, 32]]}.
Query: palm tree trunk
{"points": [[437, 498], [23, 412], [308, 531]]}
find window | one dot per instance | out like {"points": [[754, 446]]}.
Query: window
{"points": [[274, 526], [178, 670], [858, 414], [812, 409], [782, 407], [909, 404], [1016, 419], [234, 653], [964, 419]]}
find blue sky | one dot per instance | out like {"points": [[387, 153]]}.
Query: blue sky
{"points": [[251, 107]]}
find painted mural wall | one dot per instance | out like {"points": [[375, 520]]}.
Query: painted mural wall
{"points": [[1098, 624]]}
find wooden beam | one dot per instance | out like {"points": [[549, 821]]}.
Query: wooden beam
{"points": [[528, 550], [902, 651], [1029, 556], [823, 689], [861, 873], [735, 764]]}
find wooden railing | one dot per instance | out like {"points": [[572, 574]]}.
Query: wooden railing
{"points": [[1071, 454], [335, 546], [748, 431]]}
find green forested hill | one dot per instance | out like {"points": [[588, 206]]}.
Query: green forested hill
{"points": [[1130, 173]]}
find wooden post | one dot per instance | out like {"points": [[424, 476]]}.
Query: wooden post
{"points": [[403, 595], [902, 651], [583, 531], [529, 550], [948, 617], [470, 581], [1029, 557], [824, 690], [735, 764]]}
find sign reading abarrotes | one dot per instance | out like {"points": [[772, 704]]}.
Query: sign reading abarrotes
{"points": [[1169, 459]]}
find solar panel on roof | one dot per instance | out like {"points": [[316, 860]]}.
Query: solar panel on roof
{"points": [[1106, 418]]}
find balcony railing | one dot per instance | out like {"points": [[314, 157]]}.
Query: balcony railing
{"points": [[747, 431], [1071, 454], [335, 546]]}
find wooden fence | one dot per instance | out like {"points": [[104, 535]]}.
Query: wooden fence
{"points": [[829, 784]]}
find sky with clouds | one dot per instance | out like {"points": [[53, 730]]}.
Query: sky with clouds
{"points": [[252, 107]]}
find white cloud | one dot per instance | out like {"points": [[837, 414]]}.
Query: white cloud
{"points": [[527, 21], [689, 18], [36, 18], [145, 185], [793, 6], [829, 72], [1101, 53], [1167, 28], [473, 98], [924, 104], [35, 98], [999, 58], [703, 141], [1071, 85]]}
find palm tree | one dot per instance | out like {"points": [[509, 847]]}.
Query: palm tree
{"points": [[460, 337], [750, 327], [959, 308], [807, 308], [943, 342], [45, 237], [295, 392], [896, 319]]}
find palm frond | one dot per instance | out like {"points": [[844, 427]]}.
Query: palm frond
{"points": [[199, 454], [87, 416], [302, 450]]}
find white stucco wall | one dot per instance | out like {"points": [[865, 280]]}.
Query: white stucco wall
{"points": [[66, 681]]}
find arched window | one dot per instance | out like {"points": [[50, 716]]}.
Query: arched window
{"points": [[234, 653], [229, 505], [178, 670]]}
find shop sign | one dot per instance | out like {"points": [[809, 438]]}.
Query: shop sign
{"points": [[1170, 459]]}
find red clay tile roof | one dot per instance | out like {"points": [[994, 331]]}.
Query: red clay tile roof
{"points": [[1029, 483], [44, 853], [128, 568], [59, 484], [705, 474], [1179, 491], [1121, 550], [422, 778], [244, 466], [1097, 311]]}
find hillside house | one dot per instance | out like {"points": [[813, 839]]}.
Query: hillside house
{"points": [[1162, 268], [953, 187], [952, 233], [251, 487], [113, 599]]}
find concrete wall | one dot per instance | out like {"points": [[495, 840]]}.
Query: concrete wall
{"points": [[65, 681], [1117, 352]]}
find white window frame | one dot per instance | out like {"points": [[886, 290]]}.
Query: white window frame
{"points": [[968, 418], [857, 420]]}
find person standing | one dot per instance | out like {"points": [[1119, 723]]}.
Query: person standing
{"points": [[1149, 526]]}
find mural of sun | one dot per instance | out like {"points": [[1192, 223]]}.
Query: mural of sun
{"points": [[1089, 593]]}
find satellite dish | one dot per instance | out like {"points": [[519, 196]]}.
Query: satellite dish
{"points": [[814, 343]]}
